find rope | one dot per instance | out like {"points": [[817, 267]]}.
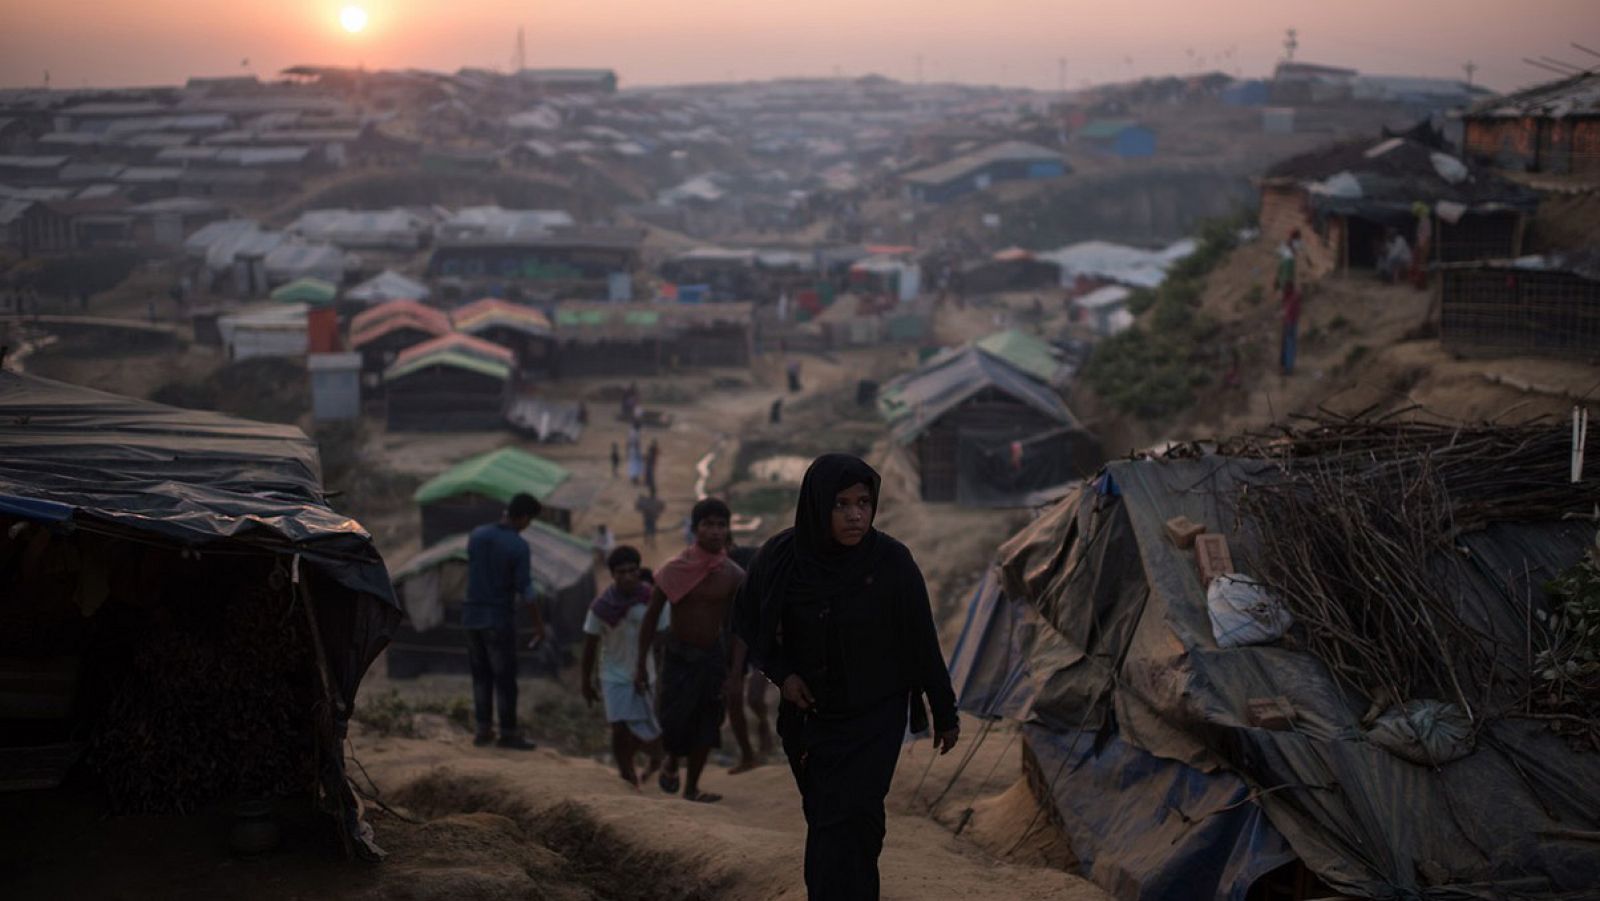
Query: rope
{"points": [[350, 755], [962, 766]]}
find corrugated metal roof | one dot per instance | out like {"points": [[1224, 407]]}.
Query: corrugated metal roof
{"points": [[499, 474], [451, 358], [456, 342], [482, 315], [1575, 96], [915, 401]]}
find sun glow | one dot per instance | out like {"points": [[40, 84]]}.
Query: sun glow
{"points": [[353, 18]]}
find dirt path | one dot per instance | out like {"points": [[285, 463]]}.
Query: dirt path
{"points": [[748, 846]]}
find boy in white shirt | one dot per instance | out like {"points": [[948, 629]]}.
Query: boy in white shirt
{"points": [[612, 630]]}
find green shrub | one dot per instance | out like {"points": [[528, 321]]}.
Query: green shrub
{"points": [[1152, 369]]}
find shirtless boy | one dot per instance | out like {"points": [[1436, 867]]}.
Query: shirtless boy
{"points": [[700, 584]]}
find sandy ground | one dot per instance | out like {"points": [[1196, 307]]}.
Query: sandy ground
{"points": [[748, 846]]}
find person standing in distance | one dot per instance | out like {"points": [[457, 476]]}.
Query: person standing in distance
{"points": [[499, 579]]}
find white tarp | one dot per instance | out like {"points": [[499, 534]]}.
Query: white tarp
{"points": [[394, 228], [494, 222], [292, 259], [1119, 263], [388, 285]]}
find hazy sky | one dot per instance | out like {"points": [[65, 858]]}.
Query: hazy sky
{"points": [[1014, 42]]}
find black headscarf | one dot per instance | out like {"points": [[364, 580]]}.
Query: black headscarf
{"points": [[805, 560]]}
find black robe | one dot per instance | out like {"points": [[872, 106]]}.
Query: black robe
{"points": [[855, 624]]}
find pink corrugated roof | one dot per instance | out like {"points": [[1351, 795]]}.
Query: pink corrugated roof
{"points": [[439, 323], [455, 341]]}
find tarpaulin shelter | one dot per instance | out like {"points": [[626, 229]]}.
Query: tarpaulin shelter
{"points": [[312, 291], [128, 523], [433, 587], [1145, 741], [983, 432], [452, 383], [1344, 197], [476, 491]]}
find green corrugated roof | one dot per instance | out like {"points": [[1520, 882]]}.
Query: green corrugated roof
{"points": [[1024, 351], [498, 474], [306, 290], [454, 358]]}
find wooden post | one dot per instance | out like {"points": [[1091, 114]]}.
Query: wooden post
{"points": [[325, 719]]}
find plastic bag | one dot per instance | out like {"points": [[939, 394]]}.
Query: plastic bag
{"points": [[1428, 733], [1243, 613]]}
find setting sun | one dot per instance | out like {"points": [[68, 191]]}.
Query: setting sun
{"points": [[353, 18]]}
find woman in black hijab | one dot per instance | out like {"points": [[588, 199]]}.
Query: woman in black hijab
{"points": [[835, 613]]}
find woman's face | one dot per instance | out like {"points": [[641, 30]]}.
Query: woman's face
{"points": [[852, 515]]}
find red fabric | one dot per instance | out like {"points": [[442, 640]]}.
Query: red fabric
{"points": [[1291, 306], [322, 330], [683, 573]]}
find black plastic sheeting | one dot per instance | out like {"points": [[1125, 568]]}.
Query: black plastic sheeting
{"points": [[198, 479], [1094, 632], [190, 476]]}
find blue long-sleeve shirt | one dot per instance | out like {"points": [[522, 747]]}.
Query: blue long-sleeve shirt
{"points": [[499, 571]]}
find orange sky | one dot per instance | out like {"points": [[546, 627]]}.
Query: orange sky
{"points": [[1017, 42]]}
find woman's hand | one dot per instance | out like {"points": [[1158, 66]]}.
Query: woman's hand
{"points": [[944, 741], [797, 693]]}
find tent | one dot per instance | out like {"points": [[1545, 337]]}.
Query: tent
{"points": [[477, 490], [983, 432], [387, 285], [131, 531], [451, 383], [1180, 768], [312, 291], [433, 587]]}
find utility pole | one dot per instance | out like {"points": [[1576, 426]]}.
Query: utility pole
{"points": [[1061, 74], [1291, 43], [1469, 68], [519, 56]]}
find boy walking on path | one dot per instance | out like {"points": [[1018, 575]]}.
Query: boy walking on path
{"points": [[499, 578], [700, 584], [612, 639]]}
